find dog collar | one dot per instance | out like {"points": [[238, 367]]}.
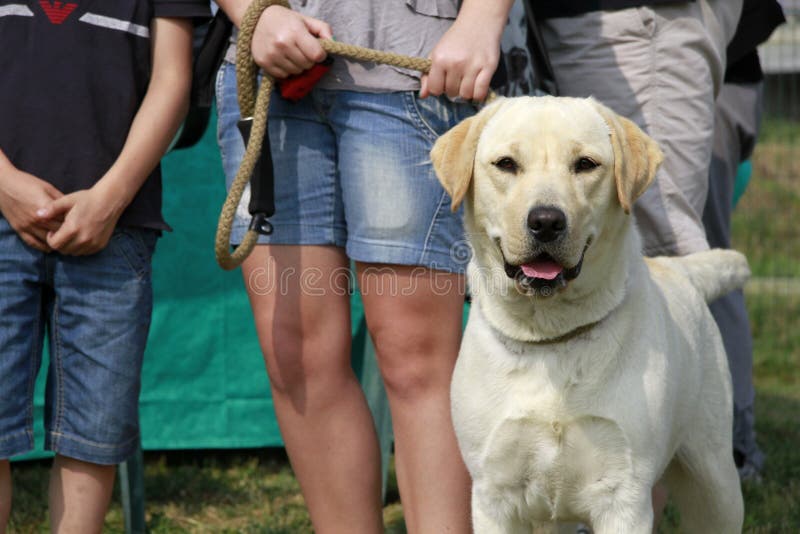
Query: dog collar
{"points": [[569, 335], [508, 341]]}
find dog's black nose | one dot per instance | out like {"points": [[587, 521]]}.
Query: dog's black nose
{"points": [[547, 223]]}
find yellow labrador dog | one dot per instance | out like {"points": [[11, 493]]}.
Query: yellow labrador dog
{"points": [[587, 372]]}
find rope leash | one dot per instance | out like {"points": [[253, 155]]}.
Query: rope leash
{"points": [[254, 103]]}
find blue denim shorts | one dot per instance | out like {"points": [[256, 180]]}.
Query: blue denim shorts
{"points": [[353, 170], [96, 311]]}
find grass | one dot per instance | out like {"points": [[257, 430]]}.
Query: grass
{"points": [[254, 491], [763, 224], [239, 491]]}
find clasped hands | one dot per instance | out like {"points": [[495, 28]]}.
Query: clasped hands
{"points": [[76, 224]]}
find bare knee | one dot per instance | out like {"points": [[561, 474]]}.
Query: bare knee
{"points": [[305, 366], [414, 364], [409, 381]]}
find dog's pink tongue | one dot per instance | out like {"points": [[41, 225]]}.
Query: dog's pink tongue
{"points": [[541, 269]]}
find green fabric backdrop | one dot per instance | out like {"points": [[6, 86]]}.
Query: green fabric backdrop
{"points": [[203, 383]]}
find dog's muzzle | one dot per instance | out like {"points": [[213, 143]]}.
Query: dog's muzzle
{"points": [[543, 275]]}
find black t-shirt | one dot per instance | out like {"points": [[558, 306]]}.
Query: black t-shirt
{"points": [[74, 74], [548, 9]]}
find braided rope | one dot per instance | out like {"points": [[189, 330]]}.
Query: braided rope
{"points": [[368, 54], [254, 102]]}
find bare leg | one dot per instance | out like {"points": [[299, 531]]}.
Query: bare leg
{"points": [[414, 318], [660, 497], [79, 495], [302, 313], [5, 494]]}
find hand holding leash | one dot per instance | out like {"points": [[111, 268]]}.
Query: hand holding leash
{"points": [[285, 42]]}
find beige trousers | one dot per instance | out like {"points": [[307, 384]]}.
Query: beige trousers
{"points": [[661, 66]]}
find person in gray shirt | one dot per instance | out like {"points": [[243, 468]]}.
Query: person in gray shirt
{"points": [[354, 183]]}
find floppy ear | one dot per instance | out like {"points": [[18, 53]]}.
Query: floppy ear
{"points": [[453, 154], [636, 157]]}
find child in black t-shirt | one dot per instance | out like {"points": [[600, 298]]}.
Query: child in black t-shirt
{"points": [[90, 98]]}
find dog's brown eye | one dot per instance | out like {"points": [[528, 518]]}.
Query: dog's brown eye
{"points": [[506, 164], [585, 164]]}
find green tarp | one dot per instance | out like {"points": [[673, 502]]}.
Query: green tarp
{"points": [[203, 383]]}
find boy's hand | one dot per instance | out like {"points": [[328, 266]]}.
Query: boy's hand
{"points": [[285, 42], [90, 217], [21, 195]]}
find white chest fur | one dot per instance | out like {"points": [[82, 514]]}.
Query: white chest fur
{"points": [[534, 426]]}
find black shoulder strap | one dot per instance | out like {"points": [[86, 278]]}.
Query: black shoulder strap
{"points": [[207, 59]]}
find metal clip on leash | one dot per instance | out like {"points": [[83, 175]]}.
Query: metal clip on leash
{"points": [[253, 106]]}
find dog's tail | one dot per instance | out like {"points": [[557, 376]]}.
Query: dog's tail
{"points": [[712, 272]]}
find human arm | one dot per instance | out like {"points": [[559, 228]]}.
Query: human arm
{"points": [[465, 58], [90, 215], [284, 41], [21, 195]]}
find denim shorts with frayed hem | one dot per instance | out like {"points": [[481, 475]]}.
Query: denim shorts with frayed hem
{"points": [[96, 311], [353, 170]]}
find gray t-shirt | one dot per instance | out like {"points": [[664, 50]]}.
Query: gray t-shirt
{"points": [[408, 27]]}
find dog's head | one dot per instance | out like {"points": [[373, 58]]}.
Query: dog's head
{"points": [[544, 179]]}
